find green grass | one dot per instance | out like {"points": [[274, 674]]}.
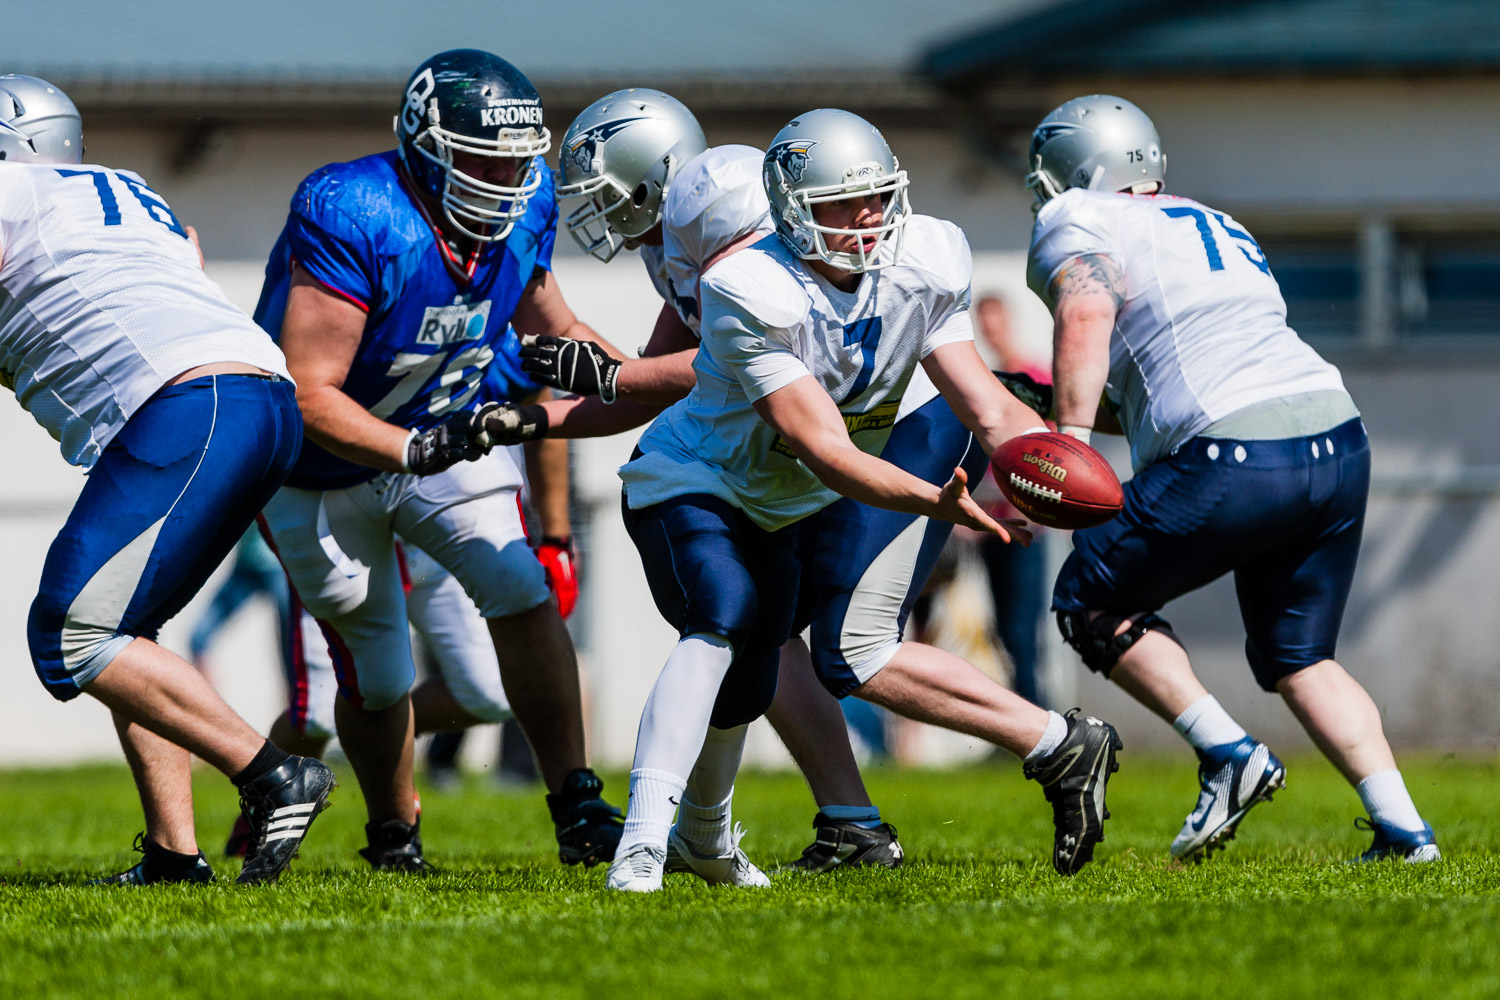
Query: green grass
{"points": [[976, 912]]}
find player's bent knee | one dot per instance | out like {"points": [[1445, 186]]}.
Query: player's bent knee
{"points": [[516, 583], [380, 691], [747, 691], [1100, 640], [68, 654]]}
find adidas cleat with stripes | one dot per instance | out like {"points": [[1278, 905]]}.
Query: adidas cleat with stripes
{"points": [[1234, 778], [1415, 847], [280, 808], [1074, 777], [842, 844]]}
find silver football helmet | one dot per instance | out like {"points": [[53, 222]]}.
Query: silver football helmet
{"points": [[1098, 142], [829, 155], [621, 154], [38, 123]]}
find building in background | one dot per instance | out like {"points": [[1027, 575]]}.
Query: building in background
{"points": [[1354, 137]]}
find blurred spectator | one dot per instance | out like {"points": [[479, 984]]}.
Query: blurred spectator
{"points": [[254, 572], [1017, 575]]}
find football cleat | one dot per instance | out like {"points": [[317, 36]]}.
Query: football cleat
{"points": [[588, 828], [1414, 847], [155, 869], [843, 844], [395, 847], [1073, 778], [280, 807], [1234, 778], [637, 870], [733, 868], [241, 842]]}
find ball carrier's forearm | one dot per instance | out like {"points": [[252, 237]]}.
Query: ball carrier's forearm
{"points": [[1087, 296]]}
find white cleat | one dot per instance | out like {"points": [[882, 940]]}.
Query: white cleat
{"points": [[733, 868], [637, 870]]}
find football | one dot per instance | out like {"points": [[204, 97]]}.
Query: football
{"points": [[1057, 480]]}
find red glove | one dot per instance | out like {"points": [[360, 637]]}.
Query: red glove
{"points": [[557, 558]]}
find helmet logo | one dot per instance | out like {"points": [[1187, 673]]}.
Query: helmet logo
{"points": [[421, 88], [791, 156], [1047, 131], [512, 112], [584, 147]]}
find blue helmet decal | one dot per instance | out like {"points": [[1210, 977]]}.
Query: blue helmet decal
{"points": [[791, 156], [582, 148], [1047, 131]]}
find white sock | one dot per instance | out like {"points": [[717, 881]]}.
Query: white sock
{"points": [[1057, 728], [704, 819], [1387, 801], [648, 815], [1205, 724]]}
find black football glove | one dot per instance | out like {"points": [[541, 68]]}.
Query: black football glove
{"points": [[1028, 390], [577, 366], [497, 425], [455, 440]]}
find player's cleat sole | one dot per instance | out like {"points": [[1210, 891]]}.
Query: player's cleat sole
{"points": [[155, 869], [1233, 779], [841, 844], [1074, 778], [281, 807], [1414, 847], [639, 869], [733, 868], [588, 828]]}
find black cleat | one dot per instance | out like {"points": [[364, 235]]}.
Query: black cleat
{"points": [[842, 844], [158, 867], [280, 807], [395, 847], [588, 828], [1073, 777]]}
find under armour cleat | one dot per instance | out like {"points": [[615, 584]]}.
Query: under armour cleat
{"points": [[733, 868], [1074, 777], [588, 828], [395, 847], [157, 868], [844, 844], [637, 870], [280, 808], [1234, 778], [1414, 847]]}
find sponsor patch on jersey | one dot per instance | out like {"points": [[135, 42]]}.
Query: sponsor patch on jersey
{"points": [[445, 325], [877, 419]]}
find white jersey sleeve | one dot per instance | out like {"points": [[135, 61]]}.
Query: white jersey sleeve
{"points": [[715, 201], [103, 301], [1202, 333]]}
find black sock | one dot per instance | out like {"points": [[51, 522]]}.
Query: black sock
{"points": [[267, 759], [162, 860]]}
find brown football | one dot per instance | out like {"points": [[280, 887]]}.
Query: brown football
{"points": [[1057, 480]]}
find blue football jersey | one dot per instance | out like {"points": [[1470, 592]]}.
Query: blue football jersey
{"points": [[431, 340]]}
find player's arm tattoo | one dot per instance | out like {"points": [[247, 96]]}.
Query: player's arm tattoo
{"points": [[1089, 274]]}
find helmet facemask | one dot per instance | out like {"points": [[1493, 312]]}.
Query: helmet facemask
{"points": [[482, 211], [861, 179]]}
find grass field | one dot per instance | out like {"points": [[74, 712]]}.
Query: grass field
{"points": [[976, 912]]}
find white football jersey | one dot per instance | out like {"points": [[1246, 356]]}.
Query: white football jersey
{"points": [[1203, 331], [103, 301], [769, 320]]}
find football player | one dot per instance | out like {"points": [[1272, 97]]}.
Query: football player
{"points": [[182, 414], [867, 565], [392, 289], [1250, 458]]}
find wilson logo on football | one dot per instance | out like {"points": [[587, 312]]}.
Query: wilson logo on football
{"points": [[1047, 468]]}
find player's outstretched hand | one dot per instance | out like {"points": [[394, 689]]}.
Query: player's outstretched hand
{"points": [[497, 425], [577, 366], [441, 447], [956, 505]]}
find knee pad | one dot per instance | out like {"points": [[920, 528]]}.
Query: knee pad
{"points": [[1096, 641], [747, 691]]}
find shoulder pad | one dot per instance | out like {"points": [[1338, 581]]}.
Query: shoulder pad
{"points": [[763, 285]]}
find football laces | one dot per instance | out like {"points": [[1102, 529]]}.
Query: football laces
{"points": [[1035, 489]]}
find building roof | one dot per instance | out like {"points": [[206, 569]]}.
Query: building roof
{"points": [[1175, 37]]}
